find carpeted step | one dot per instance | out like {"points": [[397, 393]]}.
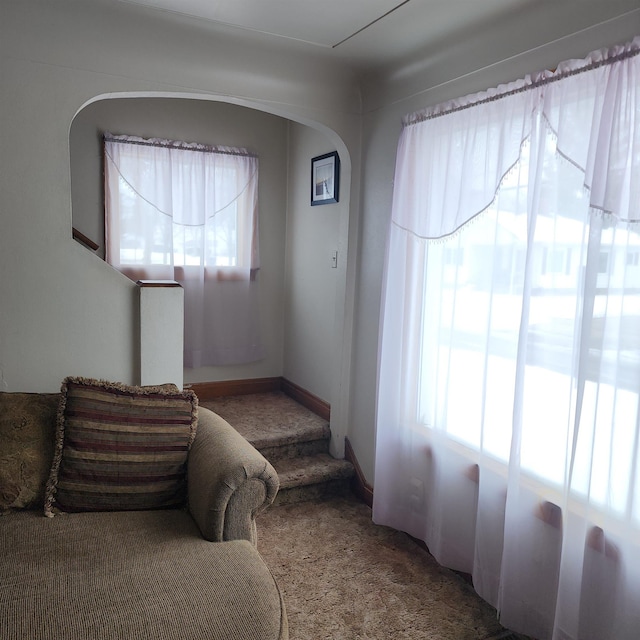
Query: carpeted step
{"points": [[294, 439], [274, 424], [274, 452], [311, 477]]}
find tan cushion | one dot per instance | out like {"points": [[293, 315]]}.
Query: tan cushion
{"points": [[132, 575], [27, 432], [120, 447]]}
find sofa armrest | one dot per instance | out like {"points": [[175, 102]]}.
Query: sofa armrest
{"points": [[229, 481]]}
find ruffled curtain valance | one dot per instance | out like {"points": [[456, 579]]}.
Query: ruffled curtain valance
{"points": [[590, 106]]}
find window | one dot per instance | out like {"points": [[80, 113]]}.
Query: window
{"points": [[603, 262], [556, 260], [508, 407], [188, 212]]}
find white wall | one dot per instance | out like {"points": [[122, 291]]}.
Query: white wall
{"points": [[446, 70], [206, 122], [62, 311], [298, 312], [310, 302]]}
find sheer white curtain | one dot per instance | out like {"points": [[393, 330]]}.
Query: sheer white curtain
{"points": [[189, 213], [508, 428]]}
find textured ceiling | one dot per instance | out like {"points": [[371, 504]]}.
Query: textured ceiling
{"points": [[323, 23], [371, 31], [374, 33]]}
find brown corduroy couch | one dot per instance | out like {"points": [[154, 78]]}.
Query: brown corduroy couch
{"points": [[192, 573]]}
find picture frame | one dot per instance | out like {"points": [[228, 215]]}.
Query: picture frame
{"points": [[325, 179]]}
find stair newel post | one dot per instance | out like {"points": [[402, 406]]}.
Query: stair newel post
{"points": [[161, 332]]}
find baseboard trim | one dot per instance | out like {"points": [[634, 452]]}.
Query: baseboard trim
{"points": [[360, 486], [307, 399], [210, 390]]}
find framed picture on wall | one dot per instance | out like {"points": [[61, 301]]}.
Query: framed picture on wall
{"points": [[325, 178]]}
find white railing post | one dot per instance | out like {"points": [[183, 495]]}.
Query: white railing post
{"points": [[161, 332]]}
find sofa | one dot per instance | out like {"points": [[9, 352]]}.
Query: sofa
{"points": [[182, 571]]}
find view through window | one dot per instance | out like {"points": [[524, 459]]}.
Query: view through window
{"points": [[189, 212]]}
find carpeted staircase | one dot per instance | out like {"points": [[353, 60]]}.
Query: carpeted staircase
{"points": [[292, 438], [356, 556]]}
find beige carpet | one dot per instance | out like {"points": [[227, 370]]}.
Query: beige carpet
{"points": [[345, 578], [269, 419]]}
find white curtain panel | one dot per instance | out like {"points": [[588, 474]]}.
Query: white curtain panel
{"points": [[189, 213], [508, 429]]}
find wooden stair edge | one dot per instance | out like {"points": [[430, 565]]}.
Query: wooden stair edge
{"points": [[84, 240]]}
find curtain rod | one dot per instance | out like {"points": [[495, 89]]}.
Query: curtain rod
{"points": [[174, 144], [418, 116]]}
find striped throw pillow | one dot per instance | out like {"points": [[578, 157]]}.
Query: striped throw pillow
{"points": [[120, 447]]}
